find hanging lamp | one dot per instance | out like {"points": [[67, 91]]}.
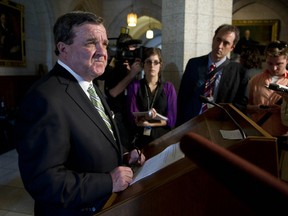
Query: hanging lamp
{"points": [[132, 18], [149, 32]]}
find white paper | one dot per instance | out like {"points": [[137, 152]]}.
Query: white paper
{"points": [[231, 134], [168, 156]]}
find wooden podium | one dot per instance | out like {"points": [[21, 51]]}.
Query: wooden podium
{"points": [[184, 189]]}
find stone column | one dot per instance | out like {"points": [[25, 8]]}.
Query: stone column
{"points": [[187, 30]]}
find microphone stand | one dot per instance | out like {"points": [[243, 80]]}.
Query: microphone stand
{"points": [[205, 100]]}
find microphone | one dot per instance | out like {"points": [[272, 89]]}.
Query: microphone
{"points": [[277, 87], [205, 100]]}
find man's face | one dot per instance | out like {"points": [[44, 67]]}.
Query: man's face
{"points": [[222, 44], [87, 55], [247, 34], [276, 65]]}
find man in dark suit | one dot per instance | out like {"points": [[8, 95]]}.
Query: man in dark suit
{"points": [[70, 160], [228, 83]]}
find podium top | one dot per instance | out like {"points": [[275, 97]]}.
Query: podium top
{"points": [[154, 193]]}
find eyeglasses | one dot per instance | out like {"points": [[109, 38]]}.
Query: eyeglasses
{"points": [[149, 62]]}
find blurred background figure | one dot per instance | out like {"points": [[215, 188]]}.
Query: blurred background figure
{"points": [[246, 41], [251, 60], [9, 44]]}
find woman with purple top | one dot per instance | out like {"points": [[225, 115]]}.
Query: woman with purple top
{"points": [[151, 94]]}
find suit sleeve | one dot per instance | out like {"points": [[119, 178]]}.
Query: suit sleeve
{"points": [[191, 86]]}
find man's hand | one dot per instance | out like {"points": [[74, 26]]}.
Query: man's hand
{"points": [[135, 68], [121, 178], [136, 157]]}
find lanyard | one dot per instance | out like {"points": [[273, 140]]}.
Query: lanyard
{"points": [[148, 98]]}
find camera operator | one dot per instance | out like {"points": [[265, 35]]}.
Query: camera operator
{"points": [[123, 68]]}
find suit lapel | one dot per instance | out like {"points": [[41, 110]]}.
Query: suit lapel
{"points": [[202, 72], [76, 93], [225, 77]]}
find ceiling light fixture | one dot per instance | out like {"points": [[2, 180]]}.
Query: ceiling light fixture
{"points": [[132, 18], [149, 32]]}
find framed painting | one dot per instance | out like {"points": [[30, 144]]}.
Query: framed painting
{"points": [[12, 41], [259, 32], [256, 32]]}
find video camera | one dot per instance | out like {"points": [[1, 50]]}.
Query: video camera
{"points": [[123, 53]]}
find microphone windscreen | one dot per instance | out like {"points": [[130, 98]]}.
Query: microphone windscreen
{"points": [[278, 87], [273, 86]]}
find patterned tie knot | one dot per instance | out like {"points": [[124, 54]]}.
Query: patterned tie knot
{"points": [[212, 67]]}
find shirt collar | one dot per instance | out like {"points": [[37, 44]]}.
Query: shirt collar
{"points": [[216, 63], [84, 84], [285, 75]]}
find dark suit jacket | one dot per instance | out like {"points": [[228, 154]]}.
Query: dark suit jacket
{"points": [[65, 149], [232, 87]]}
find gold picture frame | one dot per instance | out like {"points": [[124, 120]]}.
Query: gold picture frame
{"points": [[261, 31], [12, 35]]}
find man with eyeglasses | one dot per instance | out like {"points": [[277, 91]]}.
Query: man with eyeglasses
{"points": [[264, 105], [224, 83]]}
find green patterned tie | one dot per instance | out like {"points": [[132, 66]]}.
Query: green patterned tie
{"points": [[99, 106]]}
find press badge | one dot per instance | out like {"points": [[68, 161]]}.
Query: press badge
{"points": [[147, 131]]}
